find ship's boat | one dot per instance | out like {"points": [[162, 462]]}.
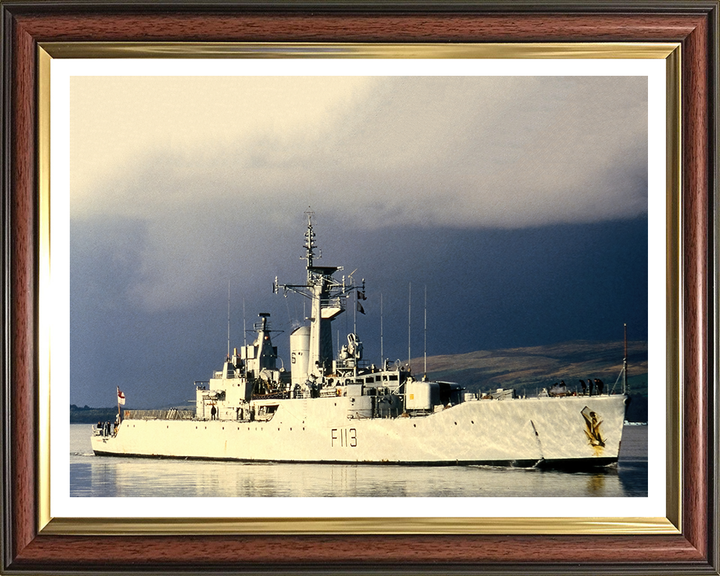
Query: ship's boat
{"points": [[338, 408]]}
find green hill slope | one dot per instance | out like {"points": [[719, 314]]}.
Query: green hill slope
{"points": [[528, 370]]}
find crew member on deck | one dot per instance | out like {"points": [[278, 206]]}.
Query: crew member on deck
{"points": [[599, 385]]}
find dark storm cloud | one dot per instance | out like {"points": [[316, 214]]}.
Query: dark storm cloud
{"points": [[468, 152], [486, 289], [520, 202]]}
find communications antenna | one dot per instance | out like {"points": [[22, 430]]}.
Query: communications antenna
{"points": [[425, 338], [409, 317], [382, 353], [244, 341], [228, 335], [626, 390]]}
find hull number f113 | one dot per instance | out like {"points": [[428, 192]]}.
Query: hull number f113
{"points": [[343, 437]]}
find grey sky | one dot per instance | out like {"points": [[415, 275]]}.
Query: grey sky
{"points": [[519, 202], [206, 164]]}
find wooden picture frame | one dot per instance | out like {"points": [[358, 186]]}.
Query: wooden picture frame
{"points": [[28, 547]]}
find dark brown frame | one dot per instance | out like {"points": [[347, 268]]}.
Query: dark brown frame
{"points": [[692, 23]]}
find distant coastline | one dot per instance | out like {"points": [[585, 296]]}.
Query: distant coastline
{"points": [[528, 370], [87, 415]]}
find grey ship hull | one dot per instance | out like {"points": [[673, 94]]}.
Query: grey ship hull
{"points": [[521, 432]]}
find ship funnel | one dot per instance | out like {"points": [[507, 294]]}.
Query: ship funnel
{"points": [[299, 355]]}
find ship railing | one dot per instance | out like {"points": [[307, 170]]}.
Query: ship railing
{"points": [[327, 392], [104, 429], [334, 302], [218, 374], [171, 414], [202, 384], [620, 375], [278, 394], [384, 378]]}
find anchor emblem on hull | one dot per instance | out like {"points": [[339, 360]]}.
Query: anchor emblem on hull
{"points": [[592, 427]]}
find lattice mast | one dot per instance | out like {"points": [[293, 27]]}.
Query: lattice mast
{"points": [[327, 297]]}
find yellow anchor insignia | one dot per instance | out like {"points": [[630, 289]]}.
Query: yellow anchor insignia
{"points": [[592, 427]]}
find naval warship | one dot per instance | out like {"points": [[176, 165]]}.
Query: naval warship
{"points": [[338, 408]]}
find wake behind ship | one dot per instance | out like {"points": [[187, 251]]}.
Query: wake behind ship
{"points": [[338, 408]]}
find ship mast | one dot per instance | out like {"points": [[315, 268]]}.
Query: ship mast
{"points": [[626, 390], [244, 340], [327, 301], [228, 339], [382, 352], [409, 319], [425, 338], [309, 244]]}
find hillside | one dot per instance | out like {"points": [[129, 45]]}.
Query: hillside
{"points": [[528, 370], [87, 415]]}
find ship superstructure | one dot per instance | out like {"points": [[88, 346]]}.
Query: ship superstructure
{"points": [[335, 407]]}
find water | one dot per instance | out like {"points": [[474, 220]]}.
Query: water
{"points": [[113, 476]]}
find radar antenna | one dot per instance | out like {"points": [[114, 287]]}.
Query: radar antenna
{"points": [[309, 241]]}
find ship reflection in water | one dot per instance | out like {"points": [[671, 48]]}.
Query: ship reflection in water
{"points": [[136, 477]]}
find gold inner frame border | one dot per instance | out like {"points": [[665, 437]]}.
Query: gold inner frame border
{"points": [[670, 524]]}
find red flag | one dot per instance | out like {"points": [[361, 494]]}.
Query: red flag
{"points": [[121, 396]]}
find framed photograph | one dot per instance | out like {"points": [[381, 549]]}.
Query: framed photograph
{"points": [[437, 169]]}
